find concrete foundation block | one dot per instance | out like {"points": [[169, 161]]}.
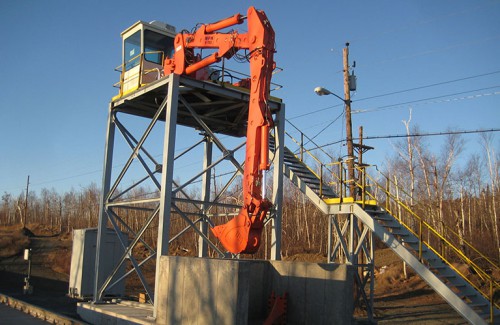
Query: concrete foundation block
{"points": [[212, 291]]}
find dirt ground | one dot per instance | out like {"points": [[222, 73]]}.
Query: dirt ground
{"points": [[398, 300]]}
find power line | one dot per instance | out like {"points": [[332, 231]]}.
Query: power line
{"points": [[314, 112], [431, 100], [437, 50], [399, 92], [326, 127], [428, 86], [429, 134], [410, 136]]}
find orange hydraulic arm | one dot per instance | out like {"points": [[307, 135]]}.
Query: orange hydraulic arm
{"points": [[242, 233]]}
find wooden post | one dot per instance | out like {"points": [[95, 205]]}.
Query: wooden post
{"points": [[25, 219], [361, 169], [347, 101]]}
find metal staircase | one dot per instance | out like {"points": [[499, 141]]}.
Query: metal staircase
{"points": [[306, 179], [440, 276], [470, 301]]}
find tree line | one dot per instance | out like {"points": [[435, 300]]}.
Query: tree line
{"points": [[450, 196], [454, 192]]}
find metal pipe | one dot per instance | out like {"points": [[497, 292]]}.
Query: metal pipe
{"points": [[263, 184], [301, 146], [321, 180]]}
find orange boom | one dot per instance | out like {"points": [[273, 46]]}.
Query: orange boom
{"points": [[241, 234]]}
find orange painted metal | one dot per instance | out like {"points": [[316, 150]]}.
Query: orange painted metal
{"points": [[241, 234], [277, 306], [228, 22]]}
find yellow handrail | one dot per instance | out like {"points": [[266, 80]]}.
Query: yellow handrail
{"points": [[363, 183], [142, 71], [423, 225]]}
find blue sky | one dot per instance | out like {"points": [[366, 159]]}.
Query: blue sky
{"points": [[58, 57]]}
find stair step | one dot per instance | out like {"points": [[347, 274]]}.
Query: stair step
{"points": [[396, 226], [316, 185], [371, 212], [297, 164], [411, 240], [424, 248], [399, 233], [468, 293], [496, 314], [287, 158], [313, 181], [383, 217], [303, 171], [388, 223], [305, 175], [479, 305]]}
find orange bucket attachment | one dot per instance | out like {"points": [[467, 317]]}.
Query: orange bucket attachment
{"points": [[238, 235]]}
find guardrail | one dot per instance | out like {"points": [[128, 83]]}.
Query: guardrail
{"points": [[141, 57]]}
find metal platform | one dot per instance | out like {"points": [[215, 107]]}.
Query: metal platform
{"points": [[223, 107]]}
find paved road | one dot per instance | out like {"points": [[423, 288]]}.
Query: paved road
{"points": [[13, 316]]}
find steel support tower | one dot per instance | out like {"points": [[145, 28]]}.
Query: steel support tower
{"points": [[217, 114]]}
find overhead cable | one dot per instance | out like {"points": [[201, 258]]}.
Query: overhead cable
{"points": [[409, 136]]}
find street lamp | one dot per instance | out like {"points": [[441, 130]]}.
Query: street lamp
{"points": [[321, 91]]}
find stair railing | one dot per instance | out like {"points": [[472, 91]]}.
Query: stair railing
{"points": [[424, 227], [323, 169], [337, 168], [364, 183]]}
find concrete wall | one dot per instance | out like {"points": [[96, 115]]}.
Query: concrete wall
{"points": [[212, 291], [317, 293]]}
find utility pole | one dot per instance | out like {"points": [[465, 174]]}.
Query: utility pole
{"points": [[26, 202], [360, 153], [348, 127], [360, 148]]}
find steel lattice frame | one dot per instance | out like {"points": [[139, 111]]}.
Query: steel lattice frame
{"points": [[349, 242], [177, 100]]}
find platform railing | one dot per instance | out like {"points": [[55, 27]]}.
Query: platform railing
{"points": [[140, 73]]}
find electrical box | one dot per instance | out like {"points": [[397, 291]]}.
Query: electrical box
{"points": [[352, 82], [82, 272]]}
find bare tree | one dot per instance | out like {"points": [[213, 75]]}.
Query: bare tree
{"points": [[493, 165]]}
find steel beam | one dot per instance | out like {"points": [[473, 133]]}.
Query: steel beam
{"points": [[167, 175], [205, 196], [103, 219], [277, 198]]}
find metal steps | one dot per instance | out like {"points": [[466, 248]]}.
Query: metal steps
{"points": [[458, 292], [302, 176], [442, 278]]}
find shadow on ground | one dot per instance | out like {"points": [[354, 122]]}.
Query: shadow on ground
{"points": [[47, 293]]}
